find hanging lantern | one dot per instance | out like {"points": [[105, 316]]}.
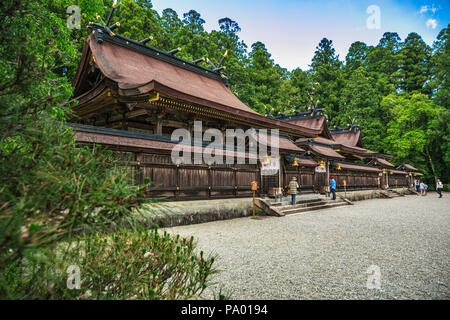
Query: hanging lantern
{"points": [[322, 164], [384, 171], [410, 174], [414, 174], [295, 162], [338, 166], [266, 160], [391, 172]]}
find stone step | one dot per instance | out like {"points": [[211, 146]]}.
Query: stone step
{"points": [[318, 207], [394, 195], [284, 203], [301, 205]]}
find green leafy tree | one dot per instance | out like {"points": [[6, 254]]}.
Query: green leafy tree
{"points": [[413, 128], [327, 78], [414, 70], [383, 62], [226, 41], [138, 21], [360, 101], [356, 57], [191, 38], [170, 24], [265, 80], [295, 91], [440, 68]]}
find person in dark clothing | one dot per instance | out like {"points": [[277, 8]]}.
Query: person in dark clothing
{"points": [[439, 187], [333, 187]]}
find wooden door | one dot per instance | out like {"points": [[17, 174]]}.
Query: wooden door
{"points": [[268, 183], [320, 181]]}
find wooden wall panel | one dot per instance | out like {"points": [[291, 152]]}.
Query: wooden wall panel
{"points": [[193, 177], [222, 177], [161, 177], [225, 181], [245, 178]]}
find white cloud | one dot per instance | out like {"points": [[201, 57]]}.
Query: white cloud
{"points": [[426, 8], [431, 23]]}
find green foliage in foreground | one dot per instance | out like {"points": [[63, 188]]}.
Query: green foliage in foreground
{"points": [[62, 204], [125, 265]]}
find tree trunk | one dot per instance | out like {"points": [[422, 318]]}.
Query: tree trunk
{"points": [[431, 162]]}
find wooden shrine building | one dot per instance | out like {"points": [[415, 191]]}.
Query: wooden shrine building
{"points": [[132, 97]]}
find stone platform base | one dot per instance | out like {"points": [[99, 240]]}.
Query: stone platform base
{"points": [[369, 194], [170, 214]]}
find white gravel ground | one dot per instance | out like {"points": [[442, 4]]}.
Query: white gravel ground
{"points": [[326, 254]]}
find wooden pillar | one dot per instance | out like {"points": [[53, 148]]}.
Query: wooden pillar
{"points": [[140, 169], [159, 126], [387, 178], [235, 180], [259, 179], [209, 181], [190, 127], [177, 181], [328, 178]]}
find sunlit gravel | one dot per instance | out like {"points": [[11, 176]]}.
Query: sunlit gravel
{"points": [[326, 254]]}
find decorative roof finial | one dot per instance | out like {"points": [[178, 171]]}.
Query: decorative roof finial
{"points": [[111, 12], [144, 41], [210, 63], [198, 60], [174, 51], [223, 58]]}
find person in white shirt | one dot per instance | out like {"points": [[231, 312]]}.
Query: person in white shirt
{"points": [[422, 188], [416, 185], [439, 187]]}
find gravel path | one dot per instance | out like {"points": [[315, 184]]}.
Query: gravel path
{"points": [[326, 254]]}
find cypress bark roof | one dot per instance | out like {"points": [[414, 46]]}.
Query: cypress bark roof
{"points": [[135, 70], [356, 167]]}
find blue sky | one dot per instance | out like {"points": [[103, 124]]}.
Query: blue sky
{"points": [[291, 29]]}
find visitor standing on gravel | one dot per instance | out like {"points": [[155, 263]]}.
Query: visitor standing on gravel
{"points": [[333, 187], [422, 188], [439, 187], [293, 186]]}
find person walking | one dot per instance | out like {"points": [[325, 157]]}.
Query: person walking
{"points": [[333, 187], [293, 186], [425, 186], [439, 187], [417, 186], [422, 188]]}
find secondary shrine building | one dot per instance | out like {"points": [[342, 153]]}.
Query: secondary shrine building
{"points": [[132, 97]]}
